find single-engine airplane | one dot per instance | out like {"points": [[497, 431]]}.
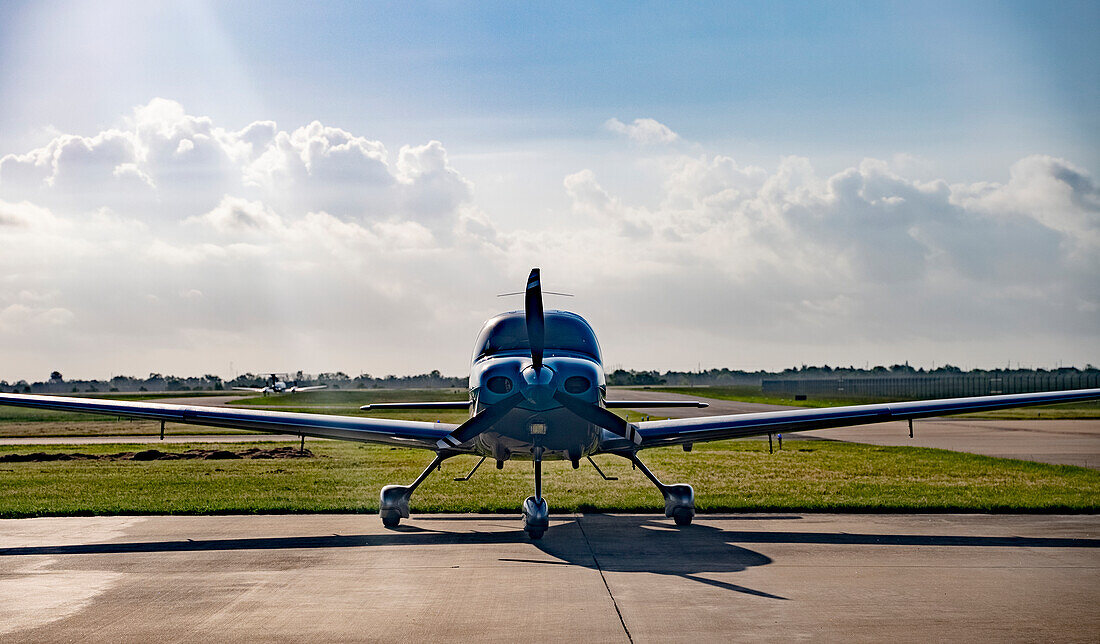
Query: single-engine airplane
{"points": [[537, 392], [276, 385]]}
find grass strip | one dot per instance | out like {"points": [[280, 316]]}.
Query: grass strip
{"points": [[735, 476]]}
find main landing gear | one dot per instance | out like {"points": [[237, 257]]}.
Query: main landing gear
{"points": [[679, 497], [395, 498]]}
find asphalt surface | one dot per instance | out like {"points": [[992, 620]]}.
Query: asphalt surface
{"points": [[593, 578], [1062, 442]]}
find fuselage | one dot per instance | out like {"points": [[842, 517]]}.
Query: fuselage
{"points": [[503, 367]]}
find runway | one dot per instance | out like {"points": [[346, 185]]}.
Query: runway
{"points": [[598, 578]]}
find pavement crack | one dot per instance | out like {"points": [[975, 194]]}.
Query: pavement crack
{"points": [[595, 560]]}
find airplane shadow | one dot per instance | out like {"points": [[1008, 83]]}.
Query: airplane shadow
{"points": [[608, 543], [649, 544]]}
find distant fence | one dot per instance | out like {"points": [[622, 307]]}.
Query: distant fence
{"points": [[932, 386]]}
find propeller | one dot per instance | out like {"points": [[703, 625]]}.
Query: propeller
{"points": [[599, 416], [533, 314], [480, 422], [536, 335]]}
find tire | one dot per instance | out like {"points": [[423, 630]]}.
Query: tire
{"points": [[390, 521], [682, 516], [535, 534]]}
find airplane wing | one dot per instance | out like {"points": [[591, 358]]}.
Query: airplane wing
{"points": [[310, 388], [710, 428], [258, 390], [406, 433]]}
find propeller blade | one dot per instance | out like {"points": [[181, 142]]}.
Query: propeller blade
{"points": [[599, 416], [481, 422], [536, 324]]}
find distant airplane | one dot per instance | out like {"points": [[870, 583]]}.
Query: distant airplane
{"points": [[276, 385], [537, 392]]}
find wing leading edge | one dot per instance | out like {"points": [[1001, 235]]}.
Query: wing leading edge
{"points": [[710, 428], [405, 433]]}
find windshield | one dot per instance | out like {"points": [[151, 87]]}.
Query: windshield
{"points": [[564, 332]]}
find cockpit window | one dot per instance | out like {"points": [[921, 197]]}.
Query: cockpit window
{"points": [[564, 332]]}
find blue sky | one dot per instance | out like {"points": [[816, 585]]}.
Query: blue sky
{"points": [[980, 97], [846, 79]]}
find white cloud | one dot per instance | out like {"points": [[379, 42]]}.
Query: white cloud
{"points": [[864, 256], [169, 231], [644, 131], [15, 318], [235, 215], [25, 215], [164, 164], [589, 198]]}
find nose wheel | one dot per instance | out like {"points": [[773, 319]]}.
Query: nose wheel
{"points": [[536, 512], [536, 517]]}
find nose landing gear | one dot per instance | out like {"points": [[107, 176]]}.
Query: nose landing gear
{"points": [[536, 512]]}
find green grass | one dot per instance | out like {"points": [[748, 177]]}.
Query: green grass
{"points": [[352, 398], [1077, 410], [109, 426], [727, 476]]}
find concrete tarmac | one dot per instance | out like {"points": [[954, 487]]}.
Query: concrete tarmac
{"points": [[593, 578], [1063, 442]]}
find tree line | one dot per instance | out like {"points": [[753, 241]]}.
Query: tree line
{"points": [[735, 377], [156, 382]]}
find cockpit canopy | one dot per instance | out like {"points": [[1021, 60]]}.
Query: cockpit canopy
{"points": [[565, 333]]}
